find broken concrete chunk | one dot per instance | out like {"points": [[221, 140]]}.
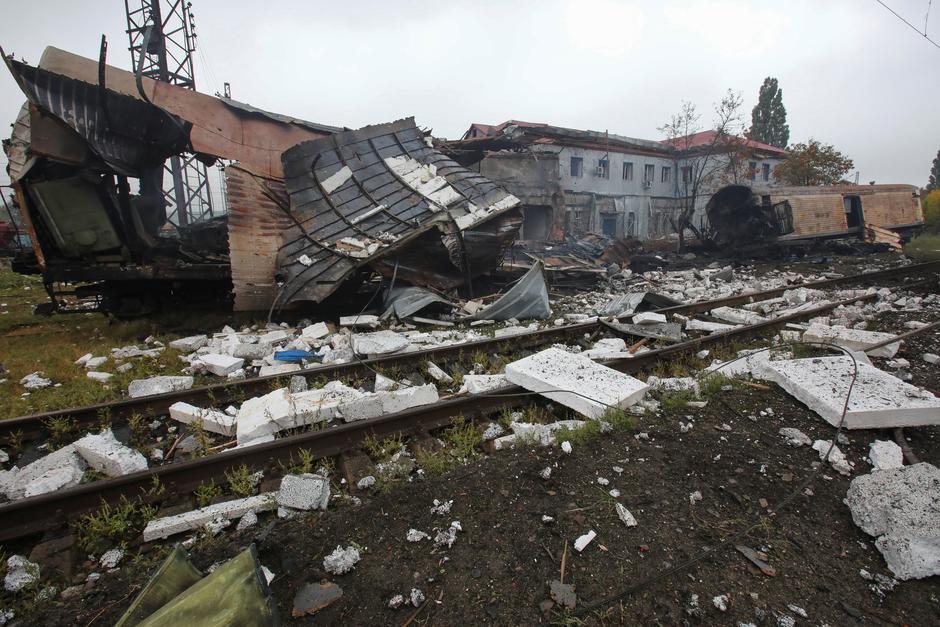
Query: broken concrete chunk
{"points": [[438, 374], [625, 516], [158, 385], [535, 433], [708, 327], [341, 560], [836, 457], [383, 383], [878, 401], [885, 455], [364, 320], [211, 419], [306, 492], [736, 316], [648, 317], [316, 331], [35, 381], [795, 437], [581, 543], [100, 377], [415, 535], [278, 369], [483, 383], [160, 528], [378, 343], [111, 558], [21, 573], [218, 364], [189, 344], [900, 506], [94, 362], [60, 469], [105, 454], [854, 339], [576, 382]]}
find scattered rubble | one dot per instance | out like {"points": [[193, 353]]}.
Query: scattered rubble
{"points": [[21, 573], [304, 492], [900, 507], [582, 541], [158, 385], [160, 528], [885, 455], [341, 560], [836, 457]]}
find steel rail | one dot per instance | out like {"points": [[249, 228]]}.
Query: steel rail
{"points": [[31, 426], [35, 514]]}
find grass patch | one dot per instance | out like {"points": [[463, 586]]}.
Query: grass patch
{"points": [[588, 432], [462, 442], [206, 493], [619, 419], [674, 400], [114, 525], [924, 247], [303, 465], [382, 450], [711, 385], [240, 481]]}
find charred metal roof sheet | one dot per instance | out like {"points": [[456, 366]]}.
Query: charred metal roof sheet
{"points": [[278, 117], [359, 195], [125, 132]]}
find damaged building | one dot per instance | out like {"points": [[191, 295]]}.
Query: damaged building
{"points": [[574, 181], [311, 206]]}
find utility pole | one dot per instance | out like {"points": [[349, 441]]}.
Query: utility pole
{"points": [[168, 29]]}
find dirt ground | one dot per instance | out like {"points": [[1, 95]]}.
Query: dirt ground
{"points": [[497, 571]]}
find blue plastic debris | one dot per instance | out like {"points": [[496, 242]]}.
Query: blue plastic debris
{"points": [[296, 356]]}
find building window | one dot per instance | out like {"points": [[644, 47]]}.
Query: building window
{"points": [[577, 166], [765, 171], [666, 174], [751, 170], [603, 168], [628, 170], [687, 174], [649, 172]]}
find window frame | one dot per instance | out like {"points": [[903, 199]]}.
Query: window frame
{"points": [[627, 165], [580, 166]]}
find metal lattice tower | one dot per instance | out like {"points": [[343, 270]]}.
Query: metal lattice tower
{"points": [[169, 31]]}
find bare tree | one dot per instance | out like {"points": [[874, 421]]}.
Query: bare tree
{"points": [[702, 163]]}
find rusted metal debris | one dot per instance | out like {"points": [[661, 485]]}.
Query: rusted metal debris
{"points": [[378, 199]]}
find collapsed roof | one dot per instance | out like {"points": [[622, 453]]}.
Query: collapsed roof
{"points": [[365, 197]]}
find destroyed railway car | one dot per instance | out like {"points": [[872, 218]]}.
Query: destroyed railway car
{"points": [[837, 211], [311, 206]]}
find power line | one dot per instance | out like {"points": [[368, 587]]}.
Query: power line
{"points": [[927, 16], [916, 30]]}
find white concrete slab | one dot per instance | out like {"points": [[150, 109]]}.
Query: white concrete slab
{"points": [[855, 339], [306, 492], [708, 327], [278, 369], [879, 400], [60, 469], [316, 331], [736, 316], [104, 453], [220, 365], [171, 525], [364, 320], [189, 344], [378, 343], [648, 317], [597, 386], [211, 419], [483, 383], [158, 385]]}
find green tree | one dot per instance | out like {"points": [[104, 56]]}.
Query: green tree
{"points": [[931, 205], [769, 116], [813, 163], [934, 181]]}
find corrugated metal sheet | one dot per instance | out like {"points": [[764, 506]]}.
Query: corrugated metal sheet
{"points": [[528, 298], [358, 196], [133, 135]]}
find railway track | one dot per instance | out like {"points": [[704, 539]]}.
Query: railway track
{"points": [[33, 425], [32, 515]]}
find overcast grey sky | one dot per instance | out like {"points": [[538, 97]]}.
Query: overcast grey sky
{"points": [[852, 74]]}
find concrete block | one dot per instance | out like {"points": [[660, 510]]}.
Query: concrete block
{"points": [[274, 337], [648, 317], [879, 400], [60, 469], [534, 433], [306, 492], [257, 350], [736, 316], [900, 506], [220, 365], [509, 331], [483, 383], [855, 339], [552, 370], [158, 385], [316, 331], [100, 377], [189, 344], [406, 398], [95, 362], [160, 528], [211, 419], [278, 369], [83, 359], [278, 410], [105, 454], [341, 560], [378, 343], [367, 321], [708, 327], [605, 348], [885, 455], [20, 573], [383, 383]]}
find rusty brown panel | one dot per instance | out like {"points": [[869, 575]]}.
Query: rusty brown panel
{"points": [[52, 138], [28, 223], [218, 129], [255, 224]]}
